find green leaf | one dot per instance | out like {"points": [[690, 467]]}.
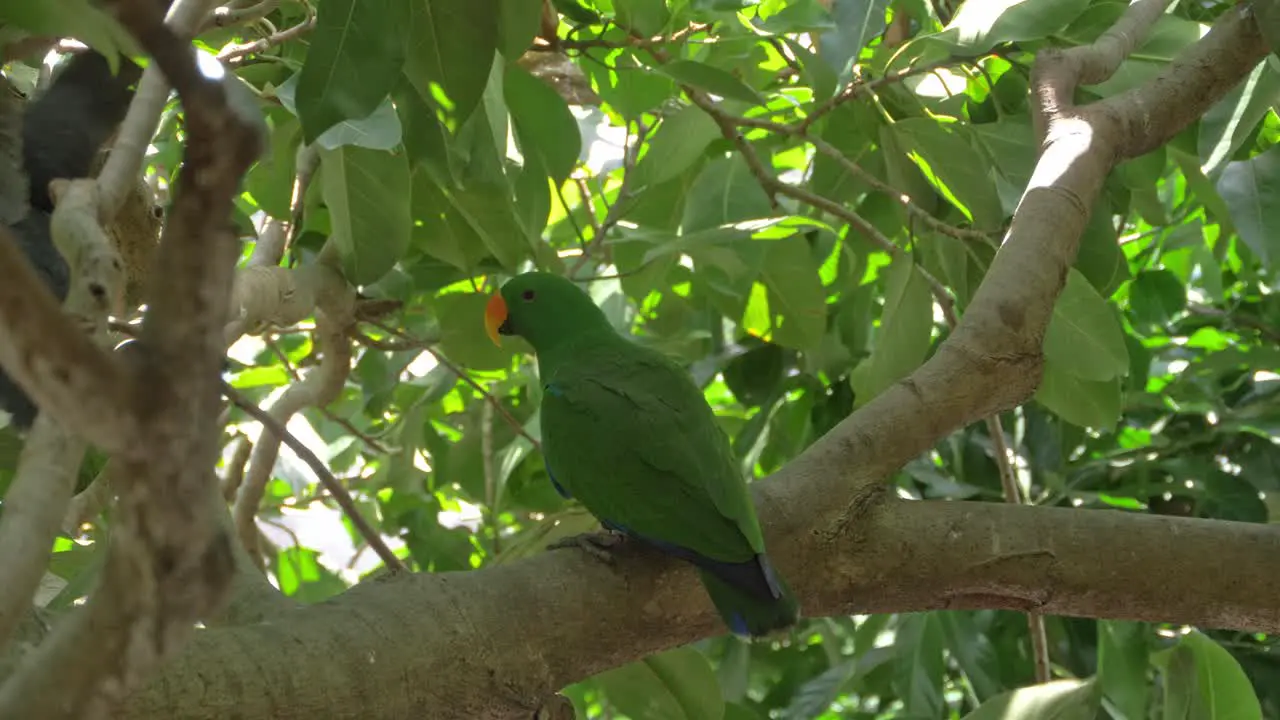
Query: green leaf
{"points": [[543, 124], [796, 295], [1203, 680], [906, 329], [1122, 666], [857, 23], [1231, 121], [676, 145], [1155, 296], [980, 26], [1085, 403], [725, 192], [1251, 189], [850, 129], [356, 52], [646, 17], [439, 229], [919, 666], [450, 52], [270, 180], [1057, 700], [1099, 258], [814, 71], [425, 136], [518, 23], [80, 19], [303, 578], [1204, 189], [629, 87], [488, 210], [978, 657], [1144, 171], [368, 194], [1084, 336], [815, 697], [675, 685], [712, 79], [462, 335], [953, 167]]}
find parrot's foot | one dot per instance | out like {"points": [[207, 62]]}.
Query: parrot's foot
{"points": [[596, 544]]}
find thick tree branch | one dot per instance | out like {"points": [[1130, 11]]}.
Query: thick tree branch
{"points": [[46, 473], [452, 645], [169, 563]]}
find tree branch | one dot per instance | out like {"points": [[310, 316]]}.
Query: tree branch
{"points": [[169, 563], [470, 654]]}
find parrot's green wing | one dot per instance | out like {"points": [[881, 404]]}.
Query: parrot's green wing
{"points": [[627, 433]]}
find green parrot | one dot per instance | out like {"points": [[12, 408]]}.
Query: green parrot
{"points": [[627, 433]]}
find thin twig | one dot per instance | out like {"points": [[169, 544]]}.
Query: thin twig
{"points": [[876, 183], [856, 88], [1013, 496], [410, 342], [327, 480], [346, 424], [1264, 329], [630, 41], [490, 476], [234, 51], [773, 186]]}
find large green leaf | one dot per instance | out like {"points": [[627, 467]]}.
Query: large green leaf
{"points": [[957, 170], [517, 26], [368, 193], [1230, 122], [675, 685], [1057, 700], [725, 192], [857, 23], [973, 651], [1099, 258], [357, 49], [710, 78], [83, 20], [1122, 666], [676, 145], [1081, 402], [796, 296], [543, 124], [1251, 189], [646, 17], [628, 86], [1084, 336], [450, 50], [270, 181], [1203, 680], [980, 26], [1155, 297], [919, 666], [906, 327]]}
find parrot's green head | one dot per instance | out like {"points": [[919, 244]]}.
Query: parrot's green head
{"points": [[544, 309]]}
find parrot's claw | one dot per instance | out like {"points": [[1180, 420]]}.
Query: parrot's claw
{"points": [[596, 544]]}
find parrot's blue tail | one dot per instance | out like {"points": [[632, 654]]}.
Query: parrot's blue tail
{"points": [[750, 613]]}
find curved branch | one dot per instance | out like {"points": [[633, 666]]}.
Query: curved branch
{"points": [[318, 389]]}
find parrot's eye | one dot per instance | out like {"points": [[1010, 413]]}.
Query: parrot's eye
{"points": [[527, 295]]}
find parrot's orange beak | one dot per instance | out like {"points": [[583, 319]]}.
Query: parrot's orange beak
{"points": [[495, 313]]}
